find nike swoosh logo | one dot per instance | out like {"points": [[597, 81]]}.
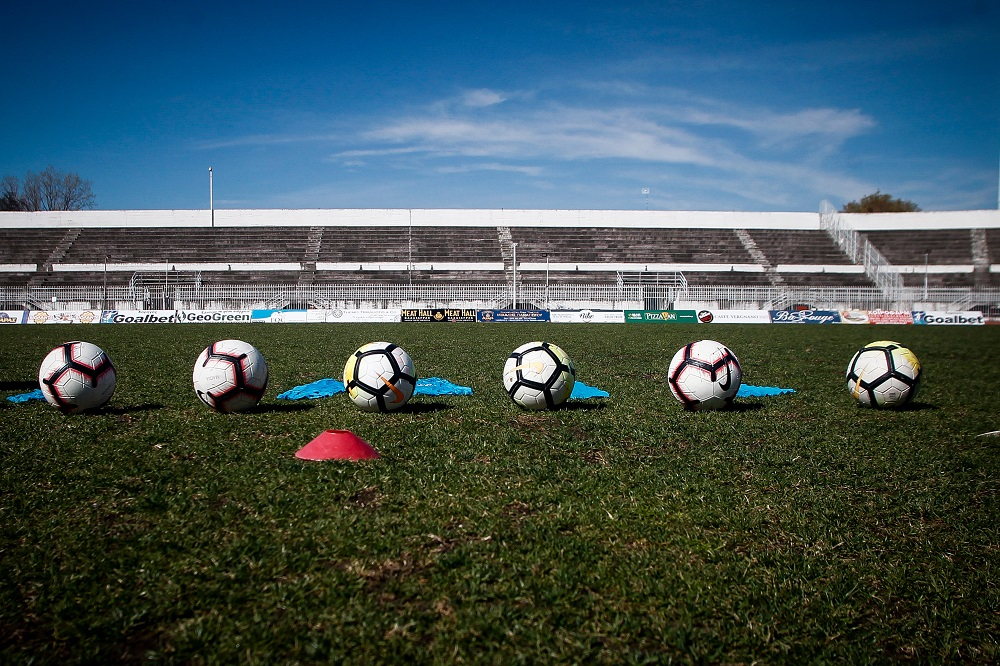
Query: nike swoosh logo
{"points": [[729, 379], [535, 366], [399, 394]]}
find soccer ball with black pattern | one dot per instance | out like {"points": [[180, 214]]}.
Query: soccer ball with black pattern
{"points": [[539, 375], [883, 374], [76, 377], [230, 376], [704, 375], [380, 377]]}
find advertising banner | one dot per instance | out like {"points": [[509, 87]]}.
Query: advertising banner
{"points": [[661, 317], [212, 316], [279, 316], [734, 317], [512, 315], [64, 317], [854, 317], [139, 317], [354, 316], [587, 316], [438, 315], [13, 317], [805, 317], [890, 317], [949, 318]]}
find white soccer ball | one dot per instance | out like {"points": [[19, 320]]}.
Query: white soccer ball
{"points": [[704, 375], [379, 377], [77, 376], [230, 376], [883, 374], [539, 375]]}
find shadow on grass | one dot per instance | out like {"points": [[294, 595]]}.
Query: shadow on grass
{"points": [[744, 406], [282, 408], [18, 386], [582, 406], [146, 407], [912, 407], [423, 407]]}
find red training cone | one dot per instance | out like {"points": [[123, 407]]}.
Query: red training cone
{"points": [[337, 445]]}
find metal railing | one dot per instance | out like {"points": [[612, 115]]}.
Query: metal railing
{"points": [[611, 296], [861, 251]]}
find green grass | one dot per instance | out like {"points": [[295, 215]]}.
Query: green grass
{"points": [[792, 529]]}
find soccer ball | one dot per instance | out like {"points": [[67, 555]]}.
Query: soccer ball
{"points": [[883, 374], [704, 375], [230, 376], [379, 377], [77, 376], [539, 375]]}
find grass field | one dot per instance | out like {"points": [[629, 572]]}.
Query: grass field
{"points": [[790, 529]]}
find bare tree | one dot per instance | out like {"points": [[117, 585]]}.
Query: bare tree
{"points": [[10, 194], [49, 190]]}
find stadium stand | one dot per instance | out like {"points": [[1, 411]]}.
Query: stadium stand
{"points": [[946, 254], [474, 248]]}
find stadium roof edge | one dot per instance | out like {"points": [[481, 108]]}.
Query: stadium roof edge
{"points": [[423, 217]]}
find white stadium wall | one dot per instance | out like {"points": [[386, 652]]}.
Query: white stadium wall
{"points": [[375, 217], [395, 217]]}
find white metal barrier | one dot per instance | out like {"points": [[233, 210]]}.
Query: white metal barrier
{"points": [[492, 296]]}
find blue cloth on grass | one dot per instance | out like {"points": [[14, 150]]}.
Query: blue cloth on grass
{"points": [[582, 391], [748, 391], [438, 386], [25, 397], [320, 388], [324, 388]]}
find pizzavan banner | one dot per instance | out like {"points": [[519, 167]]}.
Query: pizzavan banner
{"points": [[661, 317]]}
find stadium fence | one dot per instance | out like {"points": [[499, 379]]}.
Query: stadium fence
{"points": [[493, 296]]}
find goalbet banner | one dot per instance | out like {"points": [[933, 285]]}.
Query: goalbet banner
{"points": [[948, 318]]}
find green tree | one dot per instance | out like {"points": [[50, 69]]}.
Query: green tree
{"points": [[49, 190], [880, 203]]}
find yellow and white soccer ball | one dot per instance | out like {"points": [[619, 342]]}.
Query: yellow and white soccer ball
{"points": [[704, 375], [883, 374], [380, 377], [539, 375], [77, 376]]}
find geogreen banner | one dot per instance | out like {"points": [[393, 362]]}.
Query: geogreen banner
{"points": [[661, 317]]}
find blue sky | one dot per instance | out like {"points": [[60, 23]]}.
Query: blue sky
{"points": [[711, 105]]}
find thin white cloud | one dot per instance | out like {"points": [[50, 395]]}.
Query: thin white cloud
{"points": [[561, 133], [761, 154], [482, 98], [492, 166], [699, 133]]}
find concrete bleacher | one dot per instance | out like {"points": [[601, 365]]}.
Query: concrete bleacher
{"points": [[798, 247], [28, 246], [583, 247], [589, 245], [935, 257], [192, 245]]}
